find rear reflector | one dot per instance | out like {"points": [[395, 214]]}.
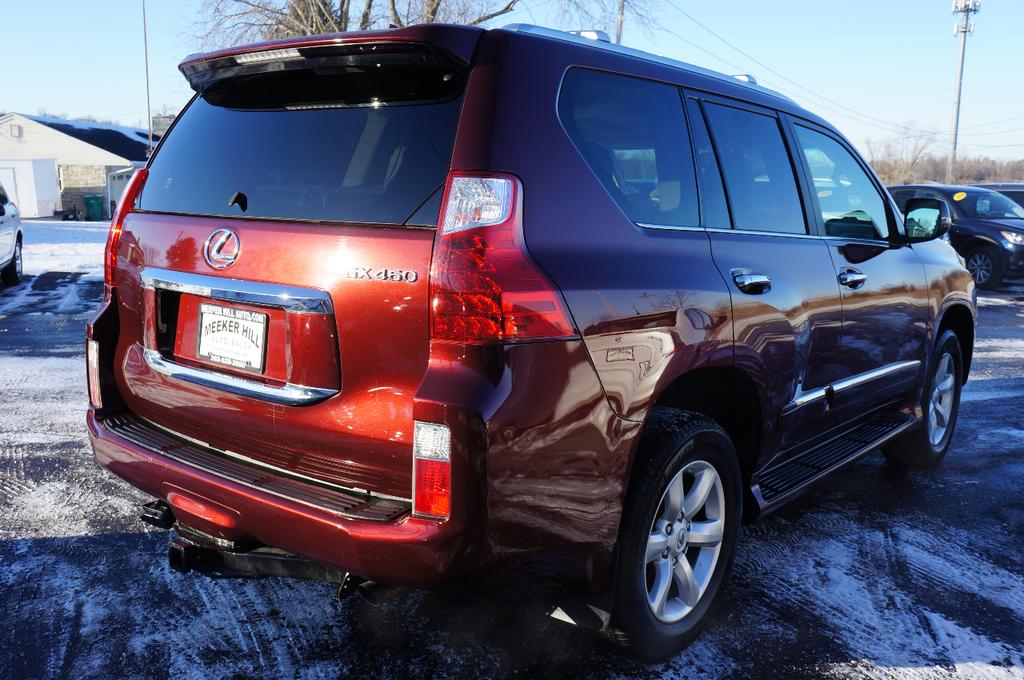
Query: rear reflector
{"points": [[431, 463], [124, 206], [92, 363], [484, 286]]}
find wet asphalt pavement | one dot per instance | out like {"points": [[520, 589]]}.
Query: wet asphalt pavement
{"points": [[872, 574]]}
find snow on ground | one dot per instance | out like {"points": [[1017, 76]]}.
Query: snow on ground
{"points": [[52, 245], [874, 574]]}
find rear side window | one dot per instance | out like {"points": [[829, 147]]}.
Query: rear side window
{"points": [[758, 173], [632, 133], [310, 146], [849, 203]]}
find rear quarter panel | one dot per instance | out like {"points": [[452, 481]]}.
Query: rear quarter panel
{"points": [[650, 304]]}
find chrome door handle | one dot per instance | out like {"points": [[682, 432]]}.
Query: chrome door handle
{"points": [[751, 282], [851, 278]]}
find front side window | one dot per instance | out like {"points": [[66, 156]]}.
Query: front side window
{"points": [[632, 133], [850, 205], [758, 173]]}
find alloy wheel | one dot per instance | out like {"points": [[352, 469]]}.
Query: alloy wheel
{"points": [[940, 403], [685, 541], [980, 266], [17, 261]]}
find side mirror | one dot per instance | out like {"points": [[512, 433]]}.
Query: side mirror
{"points": [[926, 219]]}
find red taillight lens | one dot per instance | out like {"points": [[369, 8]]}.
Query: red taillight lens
{"points": [[484, 286], [432, 473], [124, 206], [433, 488]]}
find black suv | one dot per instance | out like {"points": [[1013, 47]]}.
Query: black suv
{"points": [[988, 228]]}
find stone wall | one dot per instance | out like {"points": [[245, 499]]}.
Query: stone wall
{"points": [[78, 181]]}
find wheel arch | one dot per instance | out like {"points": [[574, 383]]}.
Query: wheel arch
{"points": [[959, 318], [726, 395], [975, 241]]}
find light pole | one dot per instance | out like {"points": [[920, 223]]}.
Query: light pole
{"points": [[149, 113], [963, 28]]}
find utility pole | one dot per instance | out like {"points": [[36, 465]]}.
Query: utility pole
{"points": [[965, 8], [149, 112], [618, 23]]}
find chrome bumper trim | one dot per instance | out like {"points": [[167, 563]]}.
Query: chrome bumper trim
{"points": [[292, 298], [285, 395]]}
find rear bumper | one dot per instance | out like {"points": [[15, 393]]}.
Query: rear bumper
{"points": [[405, 551]]}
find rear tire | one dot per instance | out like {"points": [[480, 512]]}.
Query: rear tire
{"points": [[678, 534], [926, 445], [985, 264], [11, 274]]}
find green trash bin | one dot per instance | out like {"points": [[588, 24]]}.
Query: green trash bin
{"points": [[93, 208]]}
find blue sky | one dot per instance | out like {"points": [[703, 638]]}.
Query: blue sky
{"points": [[869, 66]]}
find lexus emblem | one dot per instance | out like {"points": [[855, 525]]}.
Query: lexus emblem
{"points": [[222, 249]]}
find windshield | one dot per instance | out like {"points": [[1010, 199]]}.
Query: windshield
{"points": [[987, 205]]}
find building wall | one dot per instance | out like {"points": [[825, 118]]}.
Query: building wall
{"points": [[78, 181]]}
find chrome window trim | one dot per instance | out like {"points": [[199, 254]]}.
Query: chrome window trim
{"points": [[721, 230], [288, 394], [291, 298], [668, 227], [853, 381]]}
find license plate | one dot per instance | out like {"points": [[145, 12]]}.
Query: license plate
{"points": [[232, 337]]}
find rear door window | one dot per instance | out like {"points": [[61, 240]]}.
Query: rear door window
{"points": [[305, 146], [713, 205], [632, 133], [849, 203], [759, 176]]}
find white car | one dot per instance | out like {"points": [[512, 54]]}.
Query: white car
{"points": [[10, 241]]}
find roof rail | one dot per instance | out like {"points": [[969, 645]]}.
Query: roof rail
{"points": [[585, 38]]}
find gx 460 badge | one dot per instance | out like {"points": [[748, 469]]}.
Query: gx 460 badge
{"points": [[397, 275]]}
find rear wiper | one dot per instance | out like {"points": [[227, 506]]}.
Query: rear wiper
{"points": [[240, 200]]}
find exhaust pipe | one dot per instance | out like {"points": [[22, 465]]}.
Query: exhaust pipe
{"points": [[376, 593], [158, 514]]}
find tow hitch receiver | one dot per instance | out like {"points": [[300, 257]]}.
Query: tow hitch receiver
{"points": [[185, 556]]}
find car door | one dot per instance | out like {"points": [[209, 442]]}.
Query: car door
{"points": [[787, 312], [882, 281]]}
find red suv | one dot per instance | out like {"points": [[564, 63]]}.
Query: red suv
{"points": [[410, 304]]}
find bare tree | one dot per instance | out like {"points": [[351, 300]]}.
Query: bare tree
{"points": [[227, 22], [899, 160]]}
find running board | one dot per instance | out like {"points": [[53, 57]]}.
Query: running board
{"points": [[781, 482]]}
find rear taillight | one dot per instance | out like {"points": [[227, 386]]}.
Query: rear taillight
{"points": [[124, 206], [484, 288], [431, 470]]}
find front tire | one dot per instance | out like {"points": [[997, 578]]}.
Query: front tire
{"points": [[985, 264], [678, 533], [11, 274], [927, 444]]}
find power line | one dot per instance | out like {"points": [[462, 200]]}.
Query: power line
{"points": [[843, 110]]}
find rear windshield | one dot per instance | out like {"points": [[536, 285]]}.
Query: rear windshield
{"points": [[316, 147]]}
